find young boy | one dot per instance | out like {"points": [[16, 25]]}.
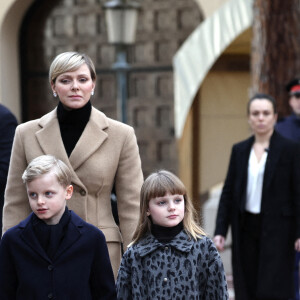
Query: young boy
{"points": [[53, 253]]}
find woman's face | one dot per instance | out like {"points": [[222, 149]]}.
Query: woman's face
{"points": [[261, 116], [74, 88]]}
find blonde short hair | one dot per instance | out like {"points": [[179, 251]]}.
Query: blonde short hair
{"points": [[158, 184], [44, 164], [68, 62]]}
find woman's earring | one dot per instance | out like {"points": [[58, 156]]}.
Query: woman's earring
{"points": [[92, 92], [54, 94]]}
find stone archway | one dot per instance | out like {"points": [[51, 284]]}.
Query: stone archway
{"points": [[202, 49], [12, 12]]}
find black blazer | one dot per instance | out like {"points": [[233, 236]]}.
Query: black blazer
{"points": [[280, 209], [80, 269], [8, 124]]}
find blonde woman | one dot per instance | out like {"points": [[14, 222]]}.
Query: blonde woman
{"points": [[100, 152]]}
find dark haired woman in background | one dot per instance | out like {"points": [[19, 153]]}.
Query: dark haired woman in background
{"points": [[261, 202]]}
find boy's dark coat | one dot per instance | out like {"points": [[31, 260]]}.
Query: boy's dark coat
{"points": [[80, 270]]}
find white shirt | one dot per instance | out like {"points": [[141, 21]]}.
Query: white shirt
{"points": [[255, 182]]}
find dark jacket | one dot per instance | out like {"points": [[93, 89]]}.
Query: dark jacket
{"points": [[289, 127], [280, 210], [180, 269], [8, 124], [80, 269]]}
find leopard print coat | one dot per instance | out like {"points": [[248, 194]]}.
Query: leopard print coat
{"points": [[180, 269]]}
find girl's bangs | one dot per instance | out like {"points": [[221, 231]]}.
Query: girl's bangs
{"points": [[163, 185]]}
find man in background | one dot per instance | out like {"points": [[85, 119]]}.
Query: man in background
{"points": [[289, 127], [8, 124]]}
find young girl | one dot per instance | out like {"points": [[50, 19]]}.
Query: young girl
{"points": [[170, 256]]}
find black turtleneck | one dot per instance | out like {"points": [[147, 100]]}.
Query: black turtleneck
{"points": [[50, 236], [165, 234], [72, 124]]}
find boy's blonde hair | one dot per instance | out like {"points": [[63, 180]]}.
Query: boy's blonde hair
{"points": [[44, 164], [69, 62], [158, 184]]}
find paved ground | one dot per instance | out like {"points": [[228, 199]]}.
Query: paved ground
{"points": [[230, 286], [209, 218]]}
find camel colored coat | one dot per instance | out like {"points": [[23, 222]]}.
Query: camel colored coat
{"points": [[106, 154]]}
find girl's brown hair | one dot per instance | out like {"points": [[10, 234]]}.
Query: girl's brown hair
{"points": [[158, 184]]}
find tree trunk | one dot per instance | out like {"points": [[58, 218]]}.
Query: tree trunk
{"points": [[275, 48]]}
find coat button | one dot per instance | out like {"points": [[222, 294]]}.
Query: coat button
{"points": [[166, 248], [50, 267], [165, 279], [82, 192], [50, 295]]}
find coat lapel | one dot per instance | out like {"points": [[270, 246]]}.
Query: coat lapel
{"points": [[272, 160], [72, 235], [50, 140], [243, 160], [30, 238], [149, 244], [91, 139], [49, 136]]}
